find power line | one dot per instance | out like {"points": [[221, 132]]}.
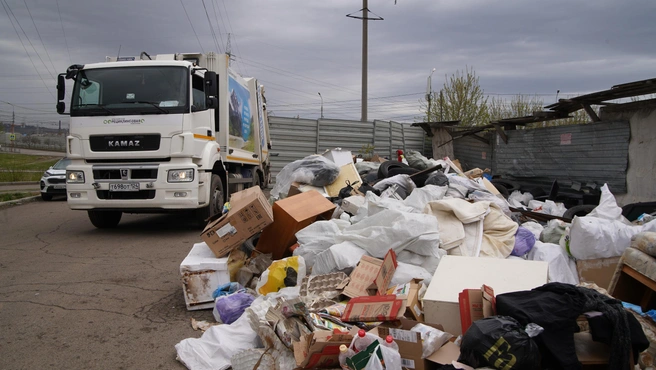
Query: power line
{"points": [[233, 32], [70, 60], [39, 34], [216, 43], [4, 3], [192, 27]]}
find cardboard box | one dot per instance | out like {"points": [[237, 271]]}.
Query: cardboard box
{"points": [[375, 308], [298, 188], [250, 212], [320, 349], [456, 273], [371, 276], [290, 215], [411, 290], [476, 304], [411, 345], [599, 271], [201, 274]]}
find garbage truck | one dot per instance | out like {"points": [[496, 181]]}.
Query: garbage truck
{"points": [[171, 132]]}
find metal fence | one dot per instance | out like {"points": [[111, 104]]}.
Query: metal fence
{"points": [[294, 138], [41, 142], [589, 153]]}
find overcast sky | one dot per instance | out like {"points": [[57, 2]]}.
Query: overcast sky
{"points": [[299, 48]]}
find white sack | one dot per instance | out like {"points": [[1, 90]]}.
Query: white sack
{"points": [[518, 199], [429, 263], [337, 257], [608, 208], [405, 273], [216, 346], [592, 237], [562, 269], [392, 229], [375, 204], [404, 182], [317, 237], [421, 196]]}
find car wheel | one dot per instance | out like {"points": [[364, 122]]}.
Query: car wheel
{"points": [[46, 197], [215, 205], [105, 219]]}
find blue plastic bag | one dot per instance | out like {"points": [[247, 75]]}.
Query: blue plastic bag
{"points": [[524, 242], [228, 308], [226, 289]]}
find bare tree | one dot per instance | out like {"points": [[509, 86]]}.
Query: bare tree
{"points": [[461, 98]]}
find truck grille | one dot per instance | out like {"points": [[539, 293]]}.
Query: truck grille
{"points": [[124, 143], [134, 174], [141, 195]]}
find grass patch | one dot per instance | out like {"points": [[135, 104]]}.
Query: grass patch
{"points": [[4, 197], [14, 167]]}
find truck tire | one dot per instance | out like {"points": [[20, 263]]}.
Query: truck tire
{"points": [[508, 184], [580, 210], [383, 170], [105, 219], [215, 204]]}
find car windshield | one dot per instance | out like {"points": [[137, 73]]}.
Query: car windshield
{"points": [[130, 91], [61, 164]]}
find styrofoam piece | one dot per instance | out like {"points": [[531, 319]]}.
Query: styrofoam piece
{"points": [[201, 274], [317, 284], [339, 156], [248, 359], [456, 273]]}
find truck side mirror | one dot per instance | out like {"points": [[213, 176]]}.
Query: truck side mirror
{"points": [[211, 88], [212, 102], [61, 107], [61, 87]]}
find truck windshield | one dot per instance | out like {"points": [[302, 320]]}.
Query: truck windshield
{"points": [[130, 91]]}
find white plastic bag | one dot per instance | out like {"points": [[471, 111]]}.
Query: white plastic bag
{"points": [[405, 273], [592, 237], [554, 231], [608, 208], [535, 228], [404, 182], [315, 170], [284, 273], [316, 238], [432, 338], [518, 199], [562, 268]]}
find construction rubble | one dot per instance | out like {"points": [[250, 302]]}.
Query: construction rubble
{"points": [[412, 263]]}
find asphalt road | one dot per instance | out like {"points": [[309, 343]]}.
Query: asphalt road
{"points": [[76, 297]]}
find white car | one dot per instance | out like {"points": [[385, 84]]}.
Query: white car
{"points": [[53, 181]]}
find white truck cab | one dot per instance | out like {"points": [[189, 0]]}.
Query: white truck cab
{"points": [[171, 133]]}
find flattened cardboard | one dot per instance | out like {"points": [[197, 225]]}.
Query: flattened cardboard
{"points": [[250, 212], [290, 216], [599, 271], [320, 349], [375, 308], [369, 273], [347, 172], [411, 290]]}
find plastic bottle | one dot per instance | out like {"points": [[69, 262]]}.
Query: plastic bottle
{"points": [[389, 342], [344, 353], [362, 341]]}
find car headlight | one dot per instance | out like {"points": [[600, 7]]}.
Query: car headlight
{"points": [[75, 177], [46, 174], [186, 175]]}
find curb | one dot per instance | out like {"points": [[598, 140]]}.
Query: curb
{"points": [[14, 202]]}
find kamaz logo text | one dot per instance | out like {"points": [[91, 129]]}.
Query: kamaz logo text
{"points": [[123, 143]]}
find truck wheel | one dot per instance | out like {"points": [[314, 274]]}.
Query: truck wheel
{"points": [[215, 205], [105, 219], [46, 197], [257, 180]]}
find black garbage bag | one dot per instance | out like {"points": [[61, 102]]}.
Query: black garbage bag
{"points": [[437, 178], [499, 342]]}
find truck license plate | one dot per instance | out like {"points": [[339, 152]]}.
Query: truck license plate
{"points": [[128, 186]]}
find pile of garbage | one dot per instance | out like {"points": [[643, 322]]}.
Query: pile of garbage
{"points": [[388, 264]]}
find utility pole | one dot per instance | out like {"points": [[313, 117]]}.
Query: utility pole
{"points": [[321, 105], [429, 94], [365, 60], [365, 40]]}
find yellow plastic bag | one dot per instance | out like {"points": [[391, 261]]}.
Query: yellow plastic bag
{"points": [[287, 272]]}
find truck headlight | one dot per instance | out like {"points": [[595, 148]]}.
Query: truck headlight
{"points": [[75, 177], [186, 175]]}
